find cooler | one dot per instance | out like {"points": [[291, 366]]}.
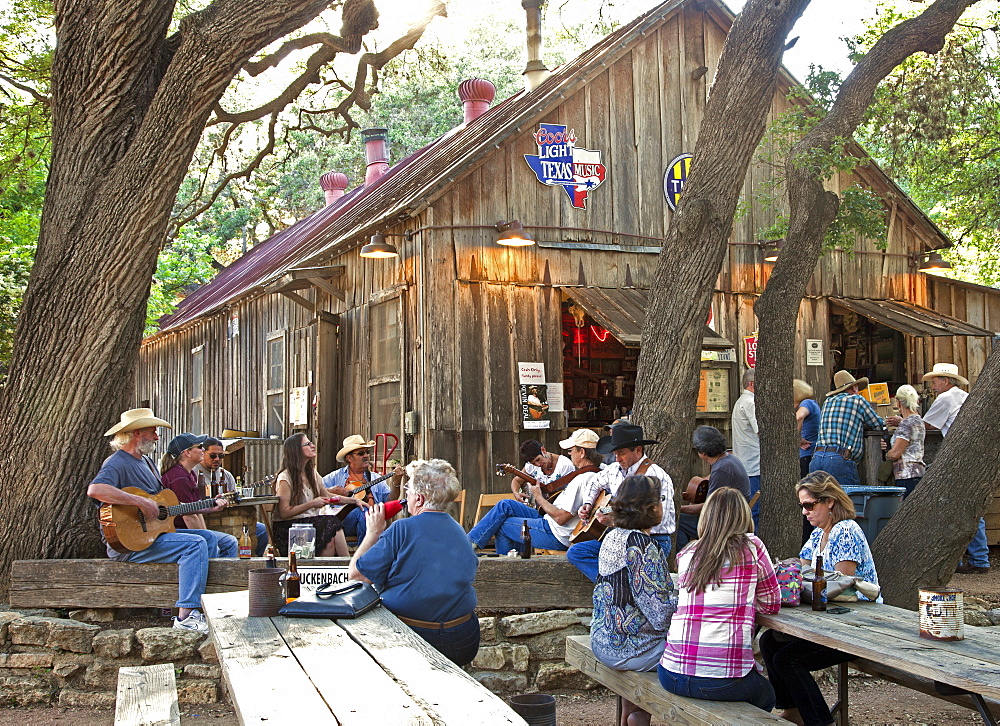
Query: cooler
{"points": [[874, 506]]}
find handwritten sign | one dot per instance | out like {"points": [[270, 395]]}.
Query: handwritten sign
{"points": [[560, 162], [531, 373]]}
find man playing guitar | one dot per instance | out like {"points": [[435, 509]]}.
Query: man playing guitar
{"points": [[543, 465], [552, 523], [356, 454], [628, 445]]}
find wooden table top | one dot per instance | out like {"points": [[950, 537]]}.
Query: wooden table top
{"points": [[373, 670], [891, 636]]}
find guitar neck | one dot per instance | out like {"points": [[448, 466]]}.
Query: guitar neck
{"points": [[520, 474], [178, 510], [370, 484]]}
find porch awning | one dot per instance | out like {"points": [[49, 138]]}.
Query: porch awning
{"points": [[623, 311], [911, 319]]}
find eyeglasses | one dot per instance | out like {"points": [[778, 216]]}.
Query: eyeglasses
{"points": [[809, 506], [215, 456], [308, 443]]}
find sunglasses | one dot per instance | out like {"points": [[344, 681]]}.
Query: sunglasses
{"points": [[215, 456], [809, 506]]}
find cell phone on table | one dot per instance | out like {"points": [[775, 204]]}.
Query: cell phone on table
{"points": [[838, 610]]}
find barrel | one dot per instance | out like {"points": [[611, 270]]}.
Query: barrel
{"points": [[942, 613], [537, 709]]}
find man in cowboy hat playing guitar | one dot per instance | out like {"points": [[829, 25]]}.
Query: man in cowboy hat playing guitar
{"points": [[355, 454], [628, 444], [840, 444], [134, 439]]}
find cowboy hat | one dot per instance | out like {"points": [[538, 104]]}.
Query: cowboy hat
{"points": [[136, 418], [353, 443], [182, 442], [584, 438], [946, 370], [844, 380], [623, 436]]}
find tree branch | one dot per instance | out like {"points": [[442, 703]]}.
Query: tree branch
{"points": [[34, 93]]}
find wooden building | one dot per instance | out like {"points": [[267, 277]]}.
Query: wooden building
{"points": [[303, 333]]}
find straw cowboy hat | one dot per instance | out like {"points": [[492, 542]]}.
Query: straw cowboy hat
{"points": [[353, 443], [946, 370], [623, 436], [844, 380], [584, 438], [136, 418]]}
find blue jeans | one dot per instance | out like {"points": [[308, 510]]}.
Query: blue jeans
{"points": [[752, 688], [261, 533], [355, 524], [845, 471], [978, 552], [586, 554], [505, 521], [459, 644], [189, 548], [789, 662], [908, 484], [755, 512]]}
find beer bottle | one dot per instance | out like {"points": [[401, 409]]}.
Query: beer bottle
{"points": [[819, 586], [526, 539], [203, 485], [215, 486], [272, 561], [245, 549], [292, 580]]}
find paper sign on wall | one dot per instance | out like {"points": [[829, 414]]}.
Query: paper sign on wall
{"points": [[298, 406], [555, 393], [814, 352], [533, 395]]}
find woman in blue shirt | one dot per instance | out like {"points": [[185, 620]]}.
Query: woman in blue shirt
{"points": [[423, 566]]}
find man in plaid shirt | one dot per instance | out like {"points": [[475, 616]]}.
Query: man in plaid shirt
{"points": [[840, 444]]}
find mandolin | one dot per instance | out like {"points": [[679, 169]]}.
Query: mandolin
{"points": [[126, 529], [590, 529], [696, 491], [551, 489]]}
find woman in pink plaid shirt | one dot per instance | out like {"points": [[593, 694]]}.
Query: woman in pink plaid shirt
{"points": [[724, 577]]}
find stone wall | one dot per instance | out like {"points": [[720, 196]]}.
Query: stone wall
{"points": [[49, 659], [45, 658]]}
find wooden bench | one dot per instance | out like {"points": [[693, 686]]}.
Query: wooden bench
{"points": [[147, 696], [541, 583], [644, 690]]}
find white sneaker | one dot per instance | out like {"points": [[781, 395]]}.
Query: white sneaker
{"points": [[194, 621]]}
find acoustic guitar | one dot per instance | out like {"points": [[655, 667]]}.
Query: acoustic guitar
{"points": [[126, 528], [551, 489], [696, 491], [340, 511], [590, 529]]}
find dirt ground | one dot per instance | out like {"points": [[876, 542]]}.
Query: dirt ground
{"points": [[873, 702]]}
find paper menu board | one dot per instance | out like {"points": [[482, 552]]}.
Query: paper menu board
{"points": [[713, 391]]}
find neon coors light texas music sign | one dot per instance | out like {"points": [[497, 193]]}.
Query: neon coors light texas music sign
{"points": [[561, 163]]}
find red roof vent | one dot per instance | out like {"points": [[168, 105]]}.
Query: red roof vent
{"points": [[376, 153], [476, 94], [334, 185]]}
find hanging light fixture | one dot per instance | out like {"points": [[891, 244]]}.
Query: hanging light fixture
{"points": [[512, 234], [771, 249], [934, 262], [378, 248]]}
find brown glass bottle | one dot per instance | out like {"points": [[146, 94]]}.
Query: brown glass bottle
{"points": [[293, 582], [245, 549], [203, 485], [272, 561], [819, 586], [526, 539]]}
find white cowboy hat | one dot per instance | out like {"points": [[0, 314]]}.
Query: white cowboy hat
{"points": [[844, 380], [584, 438], [353, 443], [946, 370], [136, 418]]}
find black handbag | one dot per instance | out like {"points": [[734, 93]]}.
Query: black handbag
{"points": [[347, 602]]}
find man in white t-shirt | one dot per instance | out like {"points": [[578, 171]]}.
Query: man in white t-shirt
{"points": [[543, 465], [552, 523]]}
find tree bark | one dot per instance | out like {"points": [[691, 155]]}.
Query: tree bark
{"points": [[696, 241], [812, 209], [129, 104]]}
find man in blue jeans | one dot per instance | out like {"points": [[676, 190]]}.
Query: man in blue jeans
{"points": [[840, 443], [130, 465]]}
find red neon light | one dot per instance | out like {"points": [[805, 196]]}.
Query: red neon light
{"points": [[594, 329]]}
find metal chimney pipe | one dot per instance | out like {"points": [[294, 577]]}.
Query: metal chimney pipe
{"points": [[535, 71], [334, 184], [376, 153], [476, 95]]}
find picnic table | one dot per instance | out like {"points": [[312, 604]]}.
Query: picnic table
{"points": [[887, 641], [372, 670]]}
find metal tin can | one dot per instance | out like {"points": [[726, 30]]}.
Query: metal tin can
{"points": [[942, 613]]}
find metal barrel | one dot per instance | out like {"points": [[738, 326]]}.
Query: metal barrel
{"points": [[942, 613]]}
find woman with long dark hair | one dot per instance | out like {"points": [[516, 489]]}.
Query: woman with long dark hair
{"points": [[724, 579], [301, 497]]}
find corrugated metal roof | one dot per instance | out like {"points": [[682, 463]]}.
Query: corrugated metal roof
{"points": [[911, 319], [407, 186]]}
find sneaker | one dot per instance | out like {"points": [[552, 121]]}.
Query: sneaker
{"points": [[194, 621], [967, 569]]}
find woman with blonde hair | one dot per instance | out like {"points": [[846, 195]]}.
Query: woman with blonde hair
{"points": [[844, 548], [724, 579], [906, 447]]}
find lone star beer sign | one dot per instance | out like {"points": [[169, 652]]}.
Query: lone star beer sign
{"points": [[561, 163], [674, 178]]}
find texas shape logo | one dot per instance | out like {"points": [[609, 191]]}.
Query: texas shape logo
{"points": [[560, 163]]}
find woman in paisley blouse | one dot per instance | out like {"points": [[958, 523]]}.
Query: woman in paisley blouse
{"points": [[634, 597], [906, 450]]}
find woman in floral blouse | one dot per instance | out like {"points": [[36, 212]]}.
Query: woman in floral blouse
{"points": [[906, 450], [634, 597], [724, 578]]}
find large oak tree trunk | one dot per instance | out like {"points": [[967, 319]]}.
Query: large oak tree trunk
{"points": [[696, 241], [812, 210], [129, 104]]}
